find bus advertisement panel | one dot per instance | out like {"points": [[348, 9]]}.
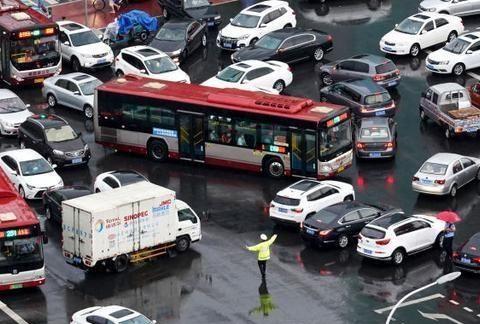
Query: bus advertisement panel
{"points": [[274, 134]]}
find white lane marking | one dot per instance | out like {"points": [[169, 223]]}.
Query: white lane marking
{"points": [[436, 317], [454, 302], [468, 309], [474, 75], [14, 316], [412, 302]]}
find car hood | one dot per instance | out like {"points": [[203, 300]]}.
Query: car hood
{"points": [[396, 37], [235, 31], [49, 179], [440, 55], [16, 117], [433, 4], [167, 46], [93, 49], [202, 12], [68, 146], [253, 53]]}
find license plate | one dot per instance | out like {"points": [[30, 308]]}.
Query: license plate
{"points": [[103, 60], [310, 231], [430, 66], [210, 23], [16, 286], [427, 181], [388, 49], [375, 154], [367, 251], [39, 80], [465, 260], [283, 210], [382, 112], [391, 84], [227, 45], [76, 161]]}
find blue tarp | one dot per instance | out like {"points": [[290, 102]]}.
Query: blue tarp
{"points": [[136, 17]]}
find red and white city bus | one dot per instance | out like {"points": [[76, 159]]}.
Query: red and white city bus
{"points": [[278, 135], [30, 50], [21, 241]]}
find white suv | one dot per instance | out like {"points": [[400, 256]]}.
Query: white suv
{"points": [[82, 47], [148, 62], [254, 22], [306, 197], [393, 237]]}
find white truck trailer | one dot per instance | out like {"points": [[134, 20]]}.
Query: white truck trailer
{"points": [[126, 225]]}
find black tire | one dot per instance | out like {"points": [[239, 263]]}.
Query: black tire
{"points": [[398, 256], [415, 50], [88, 111], [453, 191], [318, 54], [453, 34], [158, 150], [423, 116], [119, 73], [120, 263], [76, 67], [143, 36], [21, 191], [326, 79], [458, 69], [184, 55], [97, 190], [183, 243], [51, 100], [48, 213], [343, 241], [348, 198], [274, 167], [204, 40], [279, 85], [253, 41], [287, 26], [439, 240]]}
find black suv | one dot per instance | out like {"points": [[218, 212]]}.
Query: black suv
{"points": [[55, 139]]}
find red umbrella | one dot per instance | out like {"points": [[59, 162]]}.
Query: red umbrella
{"points": [[448, 216]]}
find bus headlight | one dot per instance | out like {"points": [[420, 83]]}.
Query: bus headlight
{"points": [[325, 168]]}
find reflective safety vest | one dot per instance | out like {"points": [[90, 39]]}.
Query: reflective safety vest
{"points": [[263, 248]]}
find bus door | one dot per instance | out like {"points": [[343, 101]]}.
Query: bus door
{"points": [[191, 136], [303, 154]]}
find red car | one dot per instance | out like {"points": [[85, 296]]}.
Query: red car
{"points": [[475, 94]]}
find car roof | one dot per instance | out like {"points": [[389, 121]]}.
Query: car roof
{"points": [[447, 87], [374, 121], [420, 16], [470, 37], [344, 207], [72, 26], [48, 121], [77, 77], [290, 31], [370, 59], [126, 176], [73, 191], [250, 64], [178, 23], [390, 220], [115, 312], [261, 7], [300, 188], [364, 86], [7, 93], [444, 158], [23, 154], [143, 51]]}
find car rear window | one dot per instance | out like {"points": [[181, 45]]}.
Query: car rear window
{"points": [[372, 233], [325, 216], [304, 185], [286, 201], [378, 98], [434, 168], [374, 133], [385, 67]]}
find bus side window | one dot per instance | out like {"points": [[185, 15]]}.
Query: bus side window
{"points": [[134, 116], [273, 135], [162, 117], [246, 133], [220, 129]]}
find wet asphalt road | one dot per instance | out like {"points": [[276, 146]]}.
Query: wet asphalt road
{"points": [[217, 281]]}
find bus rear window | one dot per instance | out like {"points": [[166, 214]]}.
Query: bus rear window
{"points": [[372, 233], [286, 201]]}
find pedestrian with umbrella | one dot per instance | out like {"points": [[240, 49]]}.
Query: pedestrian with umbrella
{"points": [[450, 218], [263, 250]]}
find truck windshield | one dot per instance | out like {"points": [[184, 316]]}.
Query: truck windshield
{"points": [[34, 53], [335, 140], [20, 251]]}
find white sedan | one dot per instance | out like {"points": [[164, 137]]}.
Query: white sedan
{"points": [[253, 75], [115, 179], [457, 56], [29, 172], [109, 314], [421, 31]]}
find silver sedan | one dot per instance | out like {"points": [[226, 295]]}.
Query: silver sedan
{"points": [[73, 90], [445, 173]]}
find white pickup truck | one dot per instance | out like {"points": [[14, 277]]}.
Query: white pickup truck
{"points": [[126, 225], [449, 105]]}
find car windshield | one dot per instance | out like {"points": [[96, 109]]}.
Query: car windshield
{"points": [[230, 75], [60, 134], [247, 21], [268, 42], [20, 251], [375, 133], [409, 26], [88, 88], [434, 168], [189, 4], [160, 65], [34, 167], [457, 46], [84, 38], [378, 98], [171, 34], [334, 140], [140, 319], [11, 105]]}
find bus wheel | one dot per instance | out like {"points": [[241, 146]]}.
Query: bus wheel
{"points": [[120, 263], [274, 167], [158, 150]]}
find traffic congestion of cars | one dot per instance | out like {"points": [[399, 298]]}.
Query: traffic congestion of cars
{"points": [[244, 118]]}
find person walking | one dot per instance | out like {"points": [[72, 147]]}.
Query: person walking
{"points": [[448, 238], [263, 249]]}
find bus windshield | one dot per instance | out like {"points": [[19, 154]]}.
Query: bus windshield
{"points": [[34, 53], [335, 140], [21, 251]]}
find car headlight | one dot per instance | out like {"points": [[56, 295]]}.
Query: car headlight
{"points": [[58, 153], [432, 9], [85, 148], [177, 52], [218, 17], [325, 168], [30, 187], [244, 36], [8, 124], [443, 62], [87, 55]]}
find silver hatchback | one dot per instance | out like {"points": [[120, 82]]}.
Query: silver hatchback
{"points": [[73, 90], [444, 173]]}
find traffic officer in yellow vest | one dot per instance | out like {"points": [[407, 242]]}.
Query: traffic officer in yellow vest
{"points": [[263, 250]]}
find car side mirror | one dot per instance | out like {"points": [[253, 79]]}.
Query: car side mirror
{"points": [[469, 52], [14, 172], [27, 106], [281, 50], [154, 322], [44, 238], [245, 81], [77, 93], [66, 43], [423, 31], [143, 71], [54, 166], [396, 25], [231, 19], [263, 25]]}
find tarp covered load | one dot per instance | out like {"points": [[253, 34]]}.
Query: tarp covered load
{"points": [[127, 21]]}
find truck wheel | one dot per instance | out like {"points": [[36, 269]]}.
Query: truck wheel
{"points": [[120, 263], [423, 116], [183, 243]]}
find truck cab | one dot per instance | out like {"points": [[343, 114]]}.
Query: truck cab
{"points": [[189, 227]]}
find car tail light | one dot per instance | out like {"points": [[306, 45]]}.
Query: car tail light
{"points": [[378, 77], [391, 105], [324, 232], [363, 109], [289, 68], [456, 254], [297, 210], [360, 145], [440, 182], [389, 145], [476, 260], [415, 179], [301, 225], [397, 72], [329, 38], [382, 242]]}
